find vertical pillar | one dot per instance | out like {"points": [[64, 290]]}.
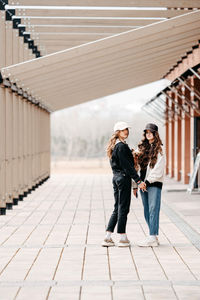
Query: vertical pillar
{"points": [[48, 134], [9, 121], [190, 83], [15, 132], [178, 138], [172, 136], [196, 126], [29, 145], [25, 131], [34, 146], [185, 140], [2, 118], [2, 151], [21, 46], [21, 148], [9, 148], [167, 137], [15, 117], [26, 52]]}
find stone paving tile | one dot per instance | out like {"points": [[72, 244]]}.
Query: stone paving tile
{"points": [[50, 248], [187, 292], [38, 293], [128, 293], [59, 293], [71, 264], [8, 293], [19, 265], [97, 293], [159, 292], [122, 269]]}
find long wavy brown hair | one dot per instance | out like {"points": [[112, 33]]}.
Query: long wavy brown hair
{"points": [[111, 143], [148, 153]]}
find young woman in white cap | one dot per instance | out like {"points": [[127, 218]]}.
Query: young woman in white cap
{"points": [[122, 164], [152, 163]]}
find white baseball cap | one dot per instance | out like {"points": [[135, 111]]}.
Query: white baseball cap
{"points": [[121, 126]]}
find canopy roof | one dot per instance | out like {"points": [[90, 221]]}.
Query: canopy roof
{"points": [[110, 3], [79, 22], [108, 65]]}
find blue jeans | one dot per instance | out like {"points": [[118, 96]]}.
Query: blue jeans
{"points": [[151, 202]]}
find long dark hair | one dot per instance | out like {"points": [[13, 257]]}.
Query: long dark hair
{"points": [[148, 153]]}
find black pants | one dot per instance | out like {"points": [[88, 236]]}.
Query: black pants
{"points": [[122, 194]]}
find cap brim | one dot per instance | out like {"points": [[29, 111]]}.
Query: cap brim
{"points": [[150, 129]]}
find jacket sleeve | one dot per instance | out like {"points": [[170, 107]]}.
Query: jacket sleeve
{"points": [[127, 164], [134, 184], [158, 170]]}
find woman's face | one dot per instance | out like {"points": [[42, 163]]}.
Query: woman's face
{"points": [[123, 134], [149, 136]]}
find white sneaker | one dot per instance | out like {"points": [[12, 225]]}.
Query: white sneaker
{"points": [[124, 243], [148, 243], [108, 243]]}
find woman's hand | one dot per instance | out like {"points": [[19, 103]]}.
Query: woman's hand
{"points": [[142, 186], [135, 192]]}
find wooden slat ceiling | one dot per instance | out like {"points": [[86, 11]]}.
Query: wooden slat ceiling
{"points": [[109, 65], [112, 3], [95, 18]]}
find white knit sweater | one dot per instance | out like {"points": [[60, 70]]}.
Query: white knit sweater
{"points": [[155, 174]]}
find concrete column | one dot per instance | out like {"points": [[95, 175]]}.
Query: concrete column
{"points": [[15, 133], [9, 120], [2, 117], [47, 143], [26, 52], [21, 48], [196, 126], [2, 151], [21, 147], [48, 134], [38, 143], [191, 83], [34, 145], [186, 144], [25, 133], [15, 117], [178, 139], [172, 137], [9, 149], [29, 144], [167, 138]]}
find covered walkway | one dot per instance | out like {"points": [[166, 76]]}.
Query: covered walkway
{"points": [[50, 245]]}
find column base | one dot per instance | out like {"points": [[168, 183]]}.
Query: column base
{"points": [[9, 206], [2, 211]]}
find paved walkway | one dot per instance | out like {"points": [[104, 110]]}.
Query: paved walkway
{"points": [[50, 246]]}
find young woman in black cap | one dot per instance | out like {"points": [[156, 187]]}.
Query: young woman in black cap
{"points": [[122, 164], [152, 163]]}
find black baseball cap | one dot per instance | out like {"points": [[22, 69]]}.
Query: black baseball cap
{"points": [[151, 127]]}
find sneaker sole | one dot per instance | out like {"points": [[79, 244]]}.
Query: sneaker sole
{"points": [[156, 245], [107, 245], [123, 245]]}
